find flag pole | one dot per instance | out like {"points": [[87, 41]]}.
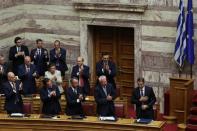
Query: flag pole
{"points": [[180, 71], [191, 72]]}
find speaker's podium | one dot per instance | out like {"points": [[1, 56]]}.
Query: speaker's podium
{"points": [[181, 93]]}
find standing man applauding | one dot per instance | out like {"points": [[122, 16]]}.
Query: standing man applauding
{"points": [[17, 54], [13, 89], [81, 71], [40, 57], [104, 96], [74, 97]]}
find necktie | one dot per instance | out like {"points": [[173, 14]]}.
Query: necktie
{"points": [[141, 92], [81, 81], [14, 86], [28, 69], [105, 90], [18, 49], [75, 91], [39, 52]]}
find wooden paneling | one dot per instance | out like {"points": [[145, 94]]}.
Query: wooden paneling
{"points": [[37, 104], [35, 123], [119, 43], [180, 98]]}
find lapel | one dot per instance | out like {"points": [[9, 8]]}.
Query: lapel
{"points": [[16, 84], [103, 90], [73, 93], [138, 92], [15, 49]]}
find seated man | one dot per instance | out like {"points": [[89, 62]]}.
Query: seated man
{"points": [[12, 89], [55, 76], [27, 73], [50, 96], [144, 99], [104, 96], [74, 98]]}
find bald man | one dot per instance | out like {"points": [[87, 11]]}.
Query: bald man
{"points": [[27, 73], [81, 72], [13, 89], [74, 97], [104, 96]]}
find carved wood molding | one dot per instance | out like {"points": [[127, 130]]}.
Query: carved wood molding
{"points": [[113, 6]]}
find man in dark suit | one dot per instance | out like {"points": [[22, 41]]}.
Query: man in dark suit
{"points": [[50, 96], [104, 96], [12, 89], [17, 54], [4, 69], [81, 72], [74, 97], [58, 57], [27, 73], [144, 99], [40, 57], [107, 68]]}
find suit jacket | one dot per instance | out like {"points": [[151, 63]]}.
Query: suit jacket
{"points": [[148, 113], [110, 76], [105, 107], [73, 107], [27, 78], [13, 101], [59, 61], [3, 76], [51, 105], [84, 75], [40, 61], [16, 61]]}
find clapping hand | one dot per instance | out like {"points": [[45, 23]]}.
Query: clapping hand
{"points": [[80, 97], [144, 107], [53, 93], [143, 98], [109, 98]]}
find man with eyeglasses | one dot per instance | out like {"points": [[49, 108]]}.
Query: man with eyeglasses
{"points": [[17, 54]]}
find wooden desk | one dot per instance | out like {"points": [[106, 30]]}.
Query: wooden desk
{"points": [[35, 123], [37, 105]]}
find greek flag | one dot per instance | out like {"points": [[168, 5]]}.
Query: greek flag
{"points": [[190, 33], [180, 46]]}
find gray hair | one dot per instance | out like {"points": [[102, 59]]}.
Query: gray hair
{"points": [[101, 78]]}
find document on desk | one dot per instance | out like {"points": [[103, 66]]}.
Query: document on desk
{"points": [[143, 121], [107, 118], [16, 115]]}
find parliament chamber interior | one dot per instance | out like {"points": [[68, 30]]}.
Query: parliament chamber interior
{"points": [[90, 65]]}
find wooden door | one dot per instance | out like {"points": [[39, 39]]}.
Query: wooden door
{"points": [[119, 44]]}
